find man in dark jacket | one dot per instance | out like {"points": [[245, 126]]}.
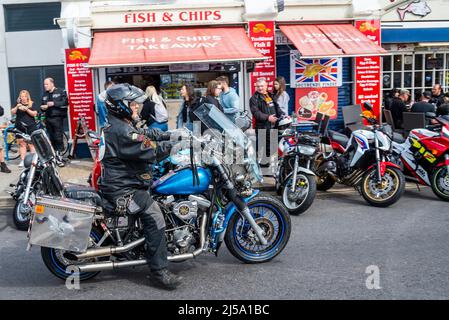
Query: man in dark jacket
{"points": [[266, 113], [55, 105], [398, 107], [126, 154], [437, 95], [424, 105]]}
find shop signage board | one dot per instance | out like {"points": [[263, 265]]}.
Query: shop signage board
{"points": [[261, 34], [80, 88], [314, 73], [310, 101], [167, 17], [368, 70]]}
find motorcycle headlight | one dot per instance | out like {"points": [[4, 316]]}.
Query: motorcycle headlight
{"points": [[306, 150]]}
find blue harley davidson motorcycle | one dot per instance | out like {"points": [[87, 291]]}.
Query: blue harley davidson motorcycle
{"points": [[204, 203]]}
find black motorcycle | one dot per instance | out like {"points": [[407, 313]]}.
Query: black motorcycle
{"points": [[295, 179]]}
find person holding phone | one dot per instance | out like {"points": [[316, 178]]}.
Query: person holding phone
{"points": [[25, 111]]}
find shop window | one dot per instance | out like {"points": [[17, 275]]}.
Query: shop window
{"points": [[31, 17], [386, 61], [419, 62], [397, 80], [397, 63], [408, 79], [32, 79]]}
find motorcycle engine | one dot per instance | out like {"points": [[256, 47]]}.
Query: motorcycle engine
{"points": [[185, 210]]}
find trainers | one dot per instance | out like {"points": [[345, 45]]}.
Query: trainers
{"points": [[21, 165], [164, 279]]}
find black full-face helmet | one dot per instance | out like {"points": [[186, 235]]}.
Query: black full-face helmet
{"points": [[119, 97]]}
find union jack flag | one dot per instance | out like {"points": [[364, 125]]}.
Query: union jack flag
{"points": [[308, 73]]}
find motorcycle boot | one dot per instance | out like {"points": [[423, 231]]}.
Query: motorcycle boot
{"points": [[165, 279]]}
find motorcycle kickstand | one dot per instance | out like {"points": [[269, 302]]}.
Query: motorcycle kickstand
{"points": [[359, 190], [417, 186]]}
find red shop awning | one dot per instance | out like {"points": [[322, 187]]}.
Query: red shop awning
{"points": [[170, 46], [331, 40]]}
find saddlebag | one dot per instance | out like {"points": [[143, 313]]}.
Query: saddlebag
{"points": [[61, 223]]}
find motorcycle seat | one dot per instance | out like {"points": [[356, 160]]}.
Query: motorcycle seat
{"points": [[83, 193], [338, 137], [398, 138]]}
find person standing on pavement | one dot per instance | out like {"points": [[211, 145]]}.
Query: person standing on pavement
{"points": [[185, 114], [442, 110], [280, 94], [26, 111], [3, 124], [229, 99], [154, 110], [266, 111], [437, 95], [55, 105], [102, 112]]}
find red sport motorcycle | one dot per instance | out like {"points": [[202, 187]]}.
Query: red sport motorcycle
{"points": [[424, 156]]}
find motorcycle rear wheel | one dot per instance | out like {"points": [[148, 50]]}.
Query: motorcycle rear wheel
{"points": [[57, 264], [324, 183], [271, 215], [440, 183], [393, 179]]}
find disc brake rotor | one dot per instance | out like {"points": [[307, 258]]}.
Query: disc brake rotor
{"points": [[300, 191], [383, 188]]}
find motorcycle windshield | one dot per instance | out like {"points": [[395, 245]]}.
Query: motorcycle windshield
{"points": [[216, 120]]}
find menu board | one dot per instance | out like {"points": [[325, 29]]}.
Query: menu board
{"points": [[80, 88], [368, 69], [261, 34]]}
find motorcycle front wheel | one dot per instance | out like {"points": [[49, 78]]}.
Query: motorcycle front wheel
{"points": [[270, 214], [58, 265], [299, 201], [20, 217], [440, 183], [387, 192]]}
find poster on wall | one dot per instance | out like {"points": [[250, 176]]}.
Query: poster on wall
{"points": [[368, 69], [314, 73], [80, 88], [310, 101], [261, 34]]}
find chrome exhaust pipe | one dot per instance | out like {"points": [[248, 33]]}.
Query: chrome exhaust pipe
{"points": [[104, 252], [111, 265]]}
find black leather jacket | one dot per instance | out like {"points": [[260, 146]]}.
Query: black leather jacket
{"points": [[61, 101], [128, 153]]}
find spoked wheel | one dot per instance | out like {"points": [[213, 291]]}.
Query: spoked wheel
{"points": [[58, 264], [385, 193], [440, 183], [302, 198], [274, 220], [65, 140]]}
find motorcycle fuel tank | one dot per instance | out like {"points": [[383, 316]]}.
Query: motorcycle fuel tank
{"points": [[181, 182]]}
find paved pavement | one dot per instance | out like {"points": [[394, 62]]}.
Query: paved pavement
{"points": [[327, 257]]}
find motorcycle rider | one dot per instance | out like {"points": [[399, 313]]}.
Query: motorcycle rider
{"points": [[126, 153]]}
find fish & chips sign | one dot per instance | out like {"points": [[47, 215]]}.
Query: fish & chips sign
{"points": [[169, 43]]}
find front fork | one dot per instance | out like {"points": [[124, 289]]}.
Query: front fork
{"points": [[30, 180], [378, 159], [295, 173]]}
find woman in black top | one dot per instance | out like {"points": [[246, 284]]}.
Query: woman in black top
{"points": [[25, 111]]}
